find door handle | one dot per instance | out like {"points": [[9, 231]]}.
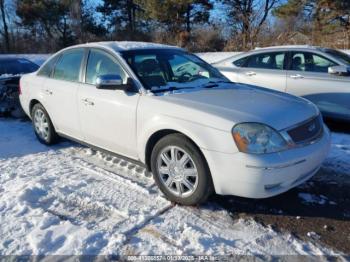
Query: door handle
{"points": [[297, 76], [251, 73], [88, 102], [47, 91]]}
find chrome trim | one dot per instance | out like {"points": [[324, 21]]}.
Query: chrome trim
{"points": [[276, 167], [318, 137], [300, 123]]}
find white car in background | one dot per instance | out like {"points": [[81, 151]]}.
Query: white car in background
{"points": [[321, 75], [165, 108]]}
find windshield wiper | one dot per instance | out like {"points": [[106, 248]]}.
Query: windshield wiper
{"points": [[212, 84], [171, 88]]}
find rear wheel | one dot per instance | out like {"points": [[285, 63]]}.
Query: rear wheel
{"points": [[180, 170], [43, 127]]}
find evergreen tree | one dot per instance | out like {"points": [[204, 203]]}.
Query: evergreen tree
{"points": [[324, 16], [120, 14], [83, 22], [50, 17], [178, 15]]}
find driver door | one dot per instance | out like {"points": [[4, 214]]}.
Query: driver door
{"points": [[108, 117]]}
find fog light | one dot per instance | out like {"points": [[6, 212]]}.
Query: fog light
{"points": [[272, 187]]}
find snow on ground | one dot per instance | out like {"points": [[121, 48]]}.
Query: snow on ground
{"points": [[68, 200], [313, 199], [338, 160]]}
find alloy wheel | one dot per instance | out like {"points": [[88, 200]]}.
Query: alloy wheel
{"points": [[41, 124], [177, 171]]}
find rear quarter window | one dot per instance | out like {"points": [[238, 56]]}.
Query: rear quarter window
{"points": [[47, 68], [68, 66], [241, 62]]}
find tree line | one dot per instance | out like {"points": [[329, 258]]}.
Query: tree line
{"points": [[198, 25]]}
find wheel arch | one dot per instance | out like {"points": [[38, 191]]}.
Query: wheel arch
{"points": [[35, 101], [32, 103], [158, 135]]}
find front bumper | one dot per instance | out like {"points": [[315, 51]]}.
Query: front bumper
{"points": [[262, 176]]}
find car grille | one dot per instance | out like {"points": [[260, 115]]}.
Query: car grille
{"points": [[307, 132]]}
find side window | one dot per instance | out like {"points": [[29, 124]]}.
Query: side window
{"points": [[100, 63], [309, 62], [280, 60], [274, 61], [240, 62], [46, 70], [68, 66]]}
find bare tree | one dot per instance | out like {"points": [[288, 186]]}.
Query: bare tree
{"points": [[5, 32], [248, 18], [76, 17]]}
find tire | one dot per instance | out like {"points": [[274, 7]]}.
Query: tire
{"points": [[180, 170], [43, 127]]}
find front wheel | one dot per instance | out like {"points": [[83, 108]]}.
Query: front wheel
{"points": [[43, 127], [180, 170]]}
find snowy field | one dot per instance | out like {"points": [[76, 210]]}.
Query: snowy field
{"points": [[71, 200]]}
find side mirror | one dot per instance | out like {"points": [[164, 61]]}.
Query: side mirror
{"points": [[111, 82], [338, 70]]}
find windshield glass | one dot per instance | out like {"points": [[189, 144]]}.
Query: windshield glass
{"points": [[170, 68], [17, 66], [345, 58]]}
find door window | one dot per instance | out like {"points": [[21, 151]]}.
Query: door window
{"points": [[345, 58], [68, 66], [46, 70], [100, 63], [308, 62], [274, 61]]}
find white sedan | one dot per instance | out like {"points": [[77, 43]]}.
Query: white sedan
{"points": [[159, 105]]}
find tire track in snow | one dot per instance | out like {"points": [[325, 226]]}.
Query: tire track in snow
{"points": [[211, 218], [124, 178]]}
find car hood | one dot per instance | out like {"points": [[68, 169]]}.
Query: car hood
{"points": [[223, 107]]}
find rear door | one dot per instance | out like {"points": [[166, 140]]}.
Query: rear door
{"points": [[308, 77], [265, 70], [60, 92]]}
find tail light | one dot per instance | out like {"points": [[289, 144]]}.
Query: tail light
{"points": [[19, 88]]}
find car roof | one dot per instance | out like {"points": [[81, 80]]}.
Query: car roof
{"points": [[289, 47], [126, 45], [11, 58], [259, 50]]}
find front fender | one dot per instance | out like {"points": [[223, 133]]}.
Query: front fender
{"points": [[203, 136]]}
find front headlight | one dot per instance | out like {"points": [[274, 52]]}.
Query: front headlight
{"points": [[258, 138]]}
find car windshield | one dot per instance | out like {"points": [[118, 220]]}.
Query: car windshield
{"points": [[160, 69], [345, 58], [16, 66]]}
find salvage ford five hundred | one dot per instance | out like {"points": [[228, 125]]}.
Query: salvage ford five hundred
{"points": [[194, 130]]}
